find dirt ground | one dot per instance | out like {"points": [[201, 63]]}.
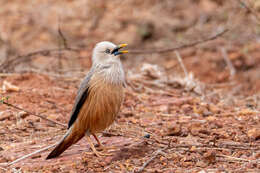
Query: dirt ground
{"points": [[203, 118]]}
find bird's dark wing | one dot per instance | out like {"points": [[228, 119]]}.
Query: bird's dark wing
{"points": [[81, 97]]}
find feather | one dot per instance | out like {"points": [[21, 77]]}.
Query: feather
{"points": [[80, 98], [101, 106], [69, 139]]}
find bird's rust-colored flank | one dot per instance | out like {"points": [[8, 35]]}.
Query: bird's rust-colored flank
{"points": [[101, 107]]}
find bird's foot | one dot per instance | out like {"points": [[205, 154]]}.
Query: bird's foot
{"points": [[104, 148], [99, 154]]}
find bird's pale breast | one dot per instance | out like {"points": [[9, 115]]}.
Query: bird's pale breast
{"points": [[101, 106]]}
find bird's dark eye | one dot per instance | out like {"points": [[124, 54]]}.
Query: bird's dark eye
{"points": [[107, 51]]}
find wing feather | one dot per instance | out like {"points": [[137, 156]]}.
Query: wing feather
{"points": [[82, 95]]}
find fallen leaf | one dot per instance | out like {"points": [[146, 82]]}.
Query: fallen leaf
{"points": [[7, 86]]}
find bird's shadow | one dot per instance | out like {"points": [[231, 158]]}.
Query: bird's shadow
{"points": [[123, 152], [139, 149]]}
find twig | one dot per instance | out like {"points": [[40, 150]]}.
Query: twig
{"points": [[236, 158], [37, 115], [8, 74], [64, 40], [228, 62], [157, 50], [252, 11], [22, 58], [181, 63], [155, 154], [31, 154], [241, 147]]}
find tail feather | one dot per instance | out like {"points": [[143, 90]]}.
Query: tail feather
{"points": [[68, 140]]}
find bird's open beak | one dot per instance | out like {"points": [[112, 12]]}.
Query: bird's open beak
{"points": [[116, 50]]}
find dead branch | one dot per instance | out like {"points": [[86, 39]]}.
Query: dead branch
{"points": [[219, 146], [236, 158], [11, 62], [228, 62], [155, 154], [37, 115], [63, 38], [181, 63], [64, 42], [29, 155], [157, 50]]}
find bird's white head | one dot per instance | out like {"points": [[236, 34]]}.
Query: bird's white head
{"points": [[106, 51]]}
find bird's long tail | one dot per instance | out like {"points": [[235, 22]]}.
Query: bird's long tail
{"points": [[68, 140]]}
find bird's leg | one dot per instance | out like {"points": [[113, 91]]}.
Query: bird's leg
{"points": [[94, 149], [100, 145]]}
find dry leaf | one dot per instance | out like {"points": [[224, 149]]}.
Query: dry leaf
{"points": [[7, 86]]}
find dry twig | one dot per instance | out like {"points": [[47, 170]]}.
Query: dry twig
{"points": [[155, 154], [236, 158], [157, 50], [8, 74], [11, 62], [228, 62], [63, 38], [219, 146], [37, 115], [29, 155], [181, 63]]}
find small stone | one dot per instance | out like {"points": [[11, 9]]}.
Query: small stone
{"points": [[210, 156], [5, 115], [202, 164], [211, 118], [245, 112], [214, 109], [174, 130], [187, 164], [202, 171], [108, 160], [103, 164], [254, 133], [206, 113], [186, 108], [193, 148], [22, 114], [147, 136], [174, 140], [52, 117]]}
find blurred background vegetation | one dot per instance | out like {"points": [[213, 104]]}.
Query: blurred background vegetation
{"points": [[28, 26]]}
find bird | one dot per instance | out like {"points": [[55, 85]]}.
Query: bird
{"points": [[99, 98]]}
